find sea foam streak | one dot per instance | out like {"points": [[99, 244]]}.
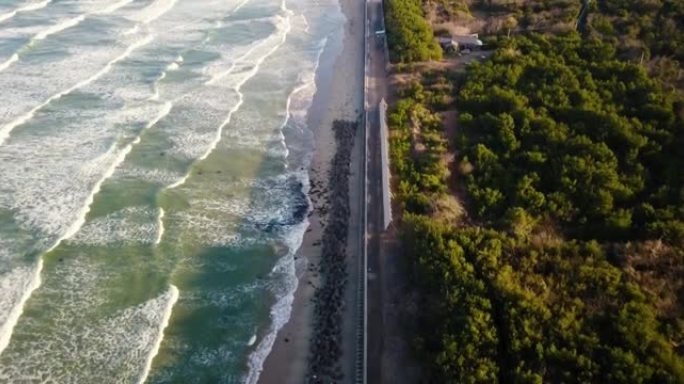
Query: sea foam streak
{"points": [[13, 59], [25, 8], [155, 11], [160, 335], [171, 67], [58, 28], [15, 313], [160, 226], [114, 7], [131, 225], [83, 213], [7, 128], [252, 339]]}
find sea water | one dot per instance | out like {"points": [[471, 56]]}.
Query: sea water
{"points": [[153, 180]]}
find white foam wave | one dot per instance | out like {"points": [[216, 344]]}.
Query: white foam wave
{"points": [[160, 226], [7, 128], [26, 8], [235, 86], [280, 313], [210, 231], [132, 31], [252, 340], [173, 66], [118, 158], [115, 348], [165, 110], [239, 5], [58, 28], [299, 100], [235, 220], [154, 11], [109, 162], [13, 59], [179, 182], [254, 70], [157, 176], [173, 293], [283, 27], [17, 287], [296, 107], [114, 7], [130, 225], [276, 200]]}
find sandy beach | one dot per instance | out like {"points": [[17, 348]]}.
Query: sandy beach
{"points": [[339, 97]]}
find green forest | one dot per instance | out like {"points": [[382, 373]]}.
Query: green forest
{"points": [[568, 263], [647, 31], [565, 132], [409, 33], [650, 26]]}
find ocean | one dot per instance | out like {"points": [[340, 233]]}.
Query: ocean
{"points": [[153, 184]]}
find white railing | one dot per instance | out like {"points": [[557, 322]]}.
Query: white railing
{"points": [[384, 153]]}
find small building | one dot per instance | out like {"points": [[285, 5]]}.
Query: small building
{"points": [[471, 42], [460, 43], [448, 44]]}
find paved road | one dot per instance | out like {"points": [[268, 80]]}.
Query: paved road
{"points": [[377, 89]]}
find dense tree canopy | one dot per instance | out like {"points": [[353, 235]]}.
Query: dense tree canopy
{"points": [[502, 308], [572, 166], [408, 33], [648, 31], [563, 130], [650, 26]]}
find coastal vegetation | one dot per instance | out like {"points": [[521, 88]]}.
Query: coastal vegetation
{"points": [[649, 32], [566, 263], [409, 33], [562, 130], [652, 27], [534, 15]]}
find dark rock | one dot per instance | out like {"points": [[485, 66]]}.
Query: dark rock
{"points": [[326, 340]]}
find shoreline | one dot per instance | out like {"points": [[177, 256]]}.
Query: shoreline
{"points": [[336, 99]]}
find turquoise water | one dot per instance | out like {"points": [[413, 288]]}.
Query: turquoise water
{"points": [[152, 184]]}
